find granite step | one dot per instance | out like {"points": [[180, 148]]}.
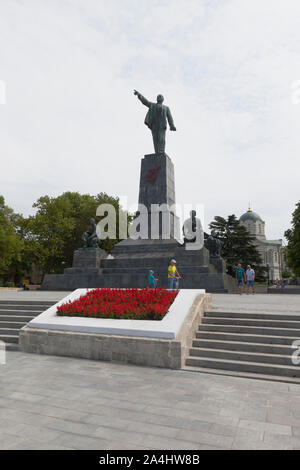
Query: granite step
{"points": [[17, 318], [9, 331], [247, 343], [13, 338], [243, 366], [135, 262], [145, 261], [259, 316], [26, 303], [257, 322], [248, 375], [160, 272], [12, 346], [245, 337], [259, 330], [23, 308], [279, 349], [242, 356], [12, 324], [14, 315]]}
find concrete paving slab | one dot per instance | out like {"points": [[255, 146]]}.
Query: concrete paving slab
{"points": [[90, 403]]}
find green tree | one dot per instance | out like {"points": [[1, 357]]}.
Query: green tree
{"points": [[293, 237], [238, 246], [11, 246], [286, 274], [53, 234]]}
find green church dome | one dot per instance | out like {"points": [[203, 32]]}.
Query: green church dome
{"points": [[250, 215]]}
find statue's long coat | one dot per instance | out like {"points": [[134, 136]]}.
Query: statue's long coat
{"points": [[158, 114]]}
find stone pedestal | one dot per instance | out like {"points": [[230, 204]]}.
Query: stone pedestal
{"points": [[85, 271], [86, 260], [157, 196], [88, 257], [218, 263]]}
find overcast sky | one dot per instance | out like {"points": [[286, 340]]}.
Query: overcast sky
{"points": [[226, 68]]}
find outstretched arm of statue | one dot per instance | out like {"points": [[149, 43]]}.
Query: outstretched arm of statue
{"points": [[142, 99], [170, 120]]}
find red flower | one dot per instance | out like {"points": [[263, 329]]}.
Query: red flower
{"points": [[144, 304]]}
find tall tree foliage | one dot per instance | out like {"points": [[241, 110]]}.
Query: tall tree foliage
{"points": [[55, 231], [293, 237], [11, 246], [238, 246]]}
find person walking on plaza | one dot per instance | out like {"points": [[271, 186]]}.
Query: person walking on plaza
{"points": [[173, 275], [250, 275], [240, 277], [151, 279]]}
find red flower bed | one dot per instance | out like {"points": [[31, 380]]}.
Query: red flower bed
{"points": [[137, 304]]}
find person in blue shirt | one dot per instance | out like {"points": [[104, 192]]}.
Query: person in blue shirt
{"points": [[151, 279], [240, 276], [250, 276]]}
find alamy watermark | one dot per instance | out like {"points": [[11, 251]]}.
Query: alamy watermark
{"points": [[2, 353], [158, 221], [2, 92], [296, 354]]}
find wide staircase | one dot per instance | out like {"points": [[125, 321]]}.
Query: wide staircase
{"points": [[14, 315], [247, 344]]}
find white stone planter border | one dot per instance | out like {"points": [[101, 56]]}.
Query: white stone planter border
{"points": [[164, 343], [167, 328]]}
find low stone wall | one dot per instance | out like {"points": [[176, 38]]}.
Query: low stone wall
{"points": [[155, 352], [126, 349], [188, 330]]}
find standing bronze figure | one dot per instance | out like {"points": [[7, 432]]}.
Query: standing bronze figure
{"points": [[156, 119]]}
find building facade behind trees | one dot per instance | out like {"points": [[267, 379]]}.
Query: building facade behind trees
{"points": [[271, 251]]}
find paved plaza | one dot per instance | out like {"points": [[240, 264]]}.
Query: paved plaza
{"points": [[262, 303], [49, 402]]}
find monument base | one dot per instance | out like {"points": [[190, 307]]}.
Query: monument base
{"points": [[87, 261], [132, 260], [86, 267]]}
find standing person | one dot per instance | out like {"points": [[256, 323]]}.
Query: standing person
{"points": [[173, 275], [151, 279], [240, 277], [250, 275]]}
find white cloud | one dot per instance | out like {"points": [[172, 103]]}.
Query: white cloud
{"points": [[71, 121]]}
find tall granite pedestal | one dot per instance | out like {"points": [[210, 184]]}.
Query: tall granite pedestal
{"points": [[157, 196]]}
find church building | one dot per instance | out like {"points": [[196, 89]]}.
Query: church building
{"points": [[271, 251]]}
